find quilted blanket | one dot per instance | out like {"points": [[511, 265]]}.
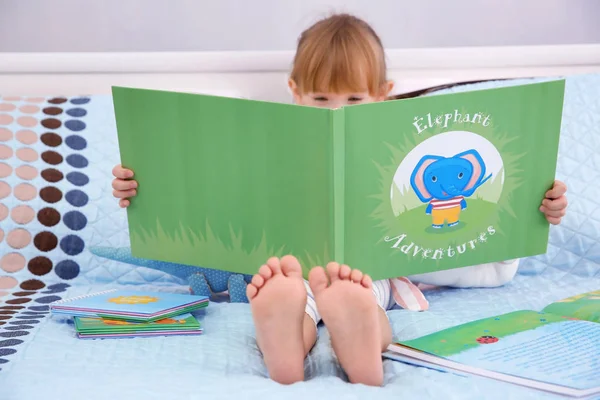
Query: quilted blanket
{"points": [[56, 156]]}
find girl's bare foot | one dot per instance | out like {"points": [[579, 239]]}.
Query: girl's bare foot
{"points": [[350, 313], [278, 297]]}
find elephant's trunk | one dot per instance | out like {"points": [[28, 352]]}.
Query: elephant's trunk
{"points": [[452, 190]]}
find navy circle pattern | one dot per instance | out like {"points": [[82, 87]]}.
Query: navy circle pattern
{"points": [[67, 269], [76, 142], [75, 125], [72, 245], [77, 198], [80, 100], [77, 178], [77, 112], [75, 220], [77, 161]]}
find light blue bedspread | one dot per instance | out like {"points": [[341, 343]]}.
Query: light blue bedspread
{"points": [[225, 363]]}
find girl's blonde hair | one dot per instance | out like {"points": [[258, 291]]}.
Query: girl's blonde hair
{"points": [[339, 54]]}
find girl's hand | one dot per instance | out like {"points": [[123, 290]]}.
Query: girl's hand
{"points": [[554, 206], [124, 187]]}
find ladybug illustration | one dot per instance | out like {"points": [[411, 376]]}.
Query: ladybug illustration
{"points": [[487, 339]]}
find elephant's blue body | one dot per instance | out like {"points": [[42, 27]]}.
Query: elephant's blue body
{"points": [[202, 281], [444, 182]]}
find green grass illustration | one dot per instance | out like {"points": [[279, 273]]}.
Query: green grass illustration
{"points": [[185, 247], [585, 306], [492, 189], [464, 337]]}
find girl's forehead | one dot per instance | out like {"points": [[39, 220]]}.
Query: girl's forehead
{"points": [[340, 93]]}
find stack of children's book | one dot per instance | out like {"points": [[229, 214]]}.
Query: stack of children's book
{"points": [[125, 313]]}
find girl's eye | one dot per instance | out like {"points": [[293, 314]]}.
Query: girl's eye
{"points": [[320, 98], [354, 99]]}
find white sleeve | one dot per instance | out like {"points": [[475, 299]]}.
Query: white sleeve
{"points": [[484, 275]]}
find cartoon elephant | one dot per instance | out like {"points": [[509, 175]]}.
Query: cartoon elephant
{"points": [[444, 182]]}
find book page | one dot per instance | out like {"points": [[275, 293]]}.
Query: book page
{"points": [[584, 306], [226, 183], [449, 181], [526, 344]]}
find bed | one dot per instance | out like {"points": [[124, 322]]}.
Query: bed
{"points": [[58, 145]]}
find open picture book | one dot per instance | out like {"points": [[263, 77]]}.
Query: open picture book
{"points": [[393, 188], [556, 349]]}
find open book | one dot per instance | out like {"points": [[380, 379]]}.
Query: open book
{"points": [[556, 350], [393, 188]]}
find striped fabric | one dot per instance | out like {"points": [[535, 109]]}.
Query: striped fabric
{"points": [[444, 204], [407, 295]]}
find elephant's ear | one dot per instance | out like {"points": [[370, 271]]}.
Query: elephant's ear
{"points": [[476, 161], [416, 179]]}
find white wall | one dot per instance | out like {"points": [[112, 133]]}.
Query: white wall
{"points": [[212, 25]]}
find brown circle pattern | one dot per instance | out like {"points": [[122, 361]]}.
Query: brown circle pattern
{"points": [[32, 284], [51, 139], [23, 294], [52, 110], [52, 175], [18, 301], [57, 100], [51, 123], [11, 307], [45, 241], [39, 265], [7, 312], [52, 157], [48, 216], [51, 194]]}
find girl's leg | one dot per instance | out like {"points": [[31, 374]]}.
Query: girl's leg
{"points": [[284, 331], [359, 327]]}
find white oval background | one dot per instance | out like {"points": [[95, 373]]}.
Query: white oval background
{"points": [[448, 144]]}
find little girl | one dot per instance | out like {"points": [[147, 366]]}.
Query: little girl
{"points": [[339, 61]]}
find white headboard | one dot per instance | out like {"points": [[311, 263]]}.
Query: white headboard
{"points": [[263, 75]]}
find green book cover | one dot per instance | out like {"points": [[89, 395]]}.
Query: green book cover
{"points": [[393, 188]]}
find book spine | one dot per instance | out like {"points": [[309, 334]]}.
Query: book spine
{"points": [[339, 166], [59, 302]]}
